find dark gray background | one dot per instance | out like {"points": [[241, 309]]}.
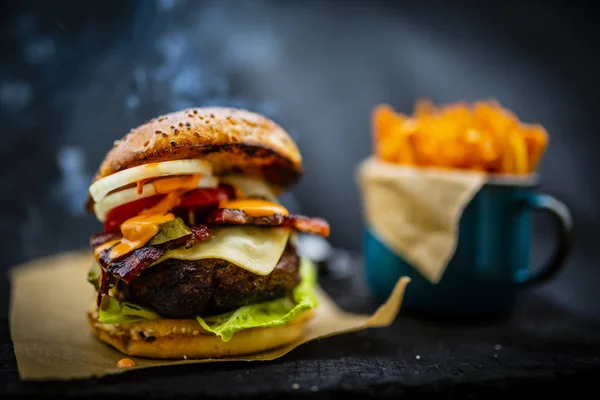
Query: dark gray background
{"points": [[74, 76]]}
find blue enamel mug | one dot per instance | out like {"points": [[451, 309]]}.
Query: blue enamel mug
{"points": [[490, 265]]}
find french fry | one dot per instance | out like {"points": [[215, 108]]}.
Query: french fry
{"points": [[405, 152], [477, 147], [383, 119], [507, 158], [536, 140], [426, 149], [482, 137], [519, 153], [392, 142]]}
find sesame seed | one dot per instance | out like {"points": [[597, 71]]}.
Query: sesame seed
{"points": [[497, 347], [195, 111], [314, 388], [187, 124], [181, 124], [212, 115], [196, 332], [168, 332], [418, 357], [295, 386], [182, 330], [158, 132], [185, 357]]}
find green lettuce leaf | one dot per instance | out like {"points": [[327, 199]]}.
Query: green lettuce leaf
{"points": [[113, 312], [94, 275], [267, 314]]}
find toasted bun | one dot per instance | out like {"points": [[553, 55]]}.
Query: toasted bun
{"points": [[185, 338], [232, 140]]}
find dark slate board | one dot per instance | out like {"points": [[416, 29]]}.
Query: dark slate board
{"points": [[539, 350]]}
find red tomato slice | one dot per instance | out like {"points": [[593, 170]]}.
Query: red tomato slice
{"points": [[203, 200], [199, 201], [120, 214]]}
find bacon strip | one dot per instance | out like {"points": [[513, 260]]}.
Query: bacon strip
{"points": [[199, 234], [100, 238], [315, 226], [131, 266], [228, 216], [106, 282]]}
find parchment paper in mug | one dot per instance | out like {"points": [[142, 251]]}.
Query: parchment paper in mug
{"points": [[52, 340], [415, 212]]}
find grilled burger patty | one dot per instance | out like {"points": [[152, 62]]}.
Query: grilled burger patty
{"points": [[186, 289]]}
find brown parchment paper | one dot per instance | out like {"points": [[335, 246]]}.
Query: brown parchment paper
{"points": [[52, 339], [415, 211]]}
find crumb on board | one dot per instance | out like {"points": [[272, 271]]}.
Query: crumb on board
{"points": [[126, 363]]}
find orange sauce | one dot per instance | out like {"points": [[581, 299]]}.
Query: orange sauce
{"points": [[166, 185], [103, 247], [138, 230], [140, 186], [255, 208]]}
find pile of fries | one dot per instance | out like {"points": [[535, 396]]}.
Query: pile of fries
{"points": [[482, 137]]}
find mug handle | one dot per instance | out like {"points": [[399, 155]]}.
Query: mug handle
{"points": [[563, 222]]}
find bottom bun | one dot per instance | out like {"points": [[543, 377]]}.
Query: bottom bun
{"points": [[185, 338]]}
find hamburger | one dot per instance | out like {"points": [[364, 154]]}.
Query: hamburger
{"points": [[197, 257]]}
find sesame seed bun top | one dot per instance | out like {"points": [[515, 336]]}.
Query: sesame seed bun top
{"points": [[232, 140]]}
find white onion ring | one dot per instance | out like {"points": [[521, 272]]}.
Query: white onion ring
{"points": [[113, 200], [104, 186], [251, 186]]}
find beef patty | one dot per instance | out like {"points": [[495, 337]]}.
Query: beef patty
{"points": [[186, 289]]}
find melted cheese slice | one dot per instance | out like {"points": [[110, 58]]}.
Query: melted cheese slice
{"points": [[256, 249]]}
